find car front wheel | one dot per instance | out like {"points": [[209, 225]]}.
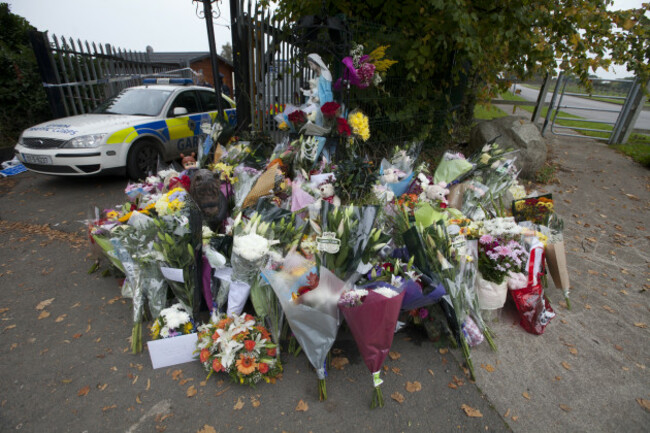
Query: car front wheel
{"points": [[142, 160]]}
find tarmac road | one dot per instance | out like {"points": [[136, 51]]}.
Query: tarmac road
{"points": [[66, 367], [643, 121]]}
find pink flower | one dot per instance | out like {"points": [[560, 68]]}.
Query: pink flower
{"points": [[486, 239]]}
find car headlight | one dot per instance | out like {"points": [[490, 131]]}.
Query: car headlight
{"points": [[92, 140]]}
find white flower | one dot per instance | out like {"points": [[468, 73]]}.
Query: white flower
{"points": [[386, 291]]}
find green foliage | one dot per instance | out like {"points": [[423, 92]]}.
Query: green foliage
{"points": [[22, 98], [452, 54], [354, 178]]}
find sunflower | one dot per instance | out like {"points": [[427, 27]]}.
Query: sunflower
{"points": [[246, 364]]}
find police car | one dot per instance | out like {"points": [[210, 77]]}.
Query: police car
{"points": [[125, 134]]}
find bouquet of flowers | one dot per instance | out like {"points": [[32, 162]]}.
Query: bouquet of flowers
{"points": [[371, 313], [171, 322], [313, 315], [534, 209], [364, 70], [239, 346]]}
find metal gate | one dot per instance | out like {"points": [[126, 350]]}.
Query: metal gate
{"points": [[621, 119]]}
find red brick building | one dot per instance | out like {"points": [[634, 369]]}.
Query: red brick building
{"points": [[199, 61]]}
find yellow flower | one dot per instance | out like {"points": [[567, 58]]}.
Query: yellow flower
{"points": [[359, 124], [283, 126], [112, 215], [125, 218], [187, 328], [485, 158], [377, 58]]}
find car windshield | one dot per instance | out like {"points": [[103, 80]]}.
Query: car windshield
{"points": [[136, 102]]}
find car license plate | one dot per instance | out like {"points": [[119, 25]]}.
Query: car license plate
{"points": [[37, 159]]}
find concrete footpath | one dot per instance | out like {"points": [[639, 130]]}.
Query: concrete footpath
{"points": [[64, 333]]}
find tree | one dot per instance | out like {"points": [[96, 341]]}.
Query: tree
{"points": [[226, 51], [22, 98], [468, 50]]}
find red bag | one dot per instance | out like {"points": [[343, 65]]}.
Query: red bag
{"points": [[534, 309]]}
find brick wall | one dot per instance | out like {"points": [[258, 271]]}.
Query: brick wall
{"points": [[205, 66]]}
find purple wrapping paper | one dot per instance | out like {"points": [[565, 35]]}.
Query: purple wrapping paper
{"points": [[413, 297], [373, 324], [206, 278]]}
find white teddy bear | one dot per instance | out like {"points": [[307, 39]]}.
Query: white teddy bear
{"points": [[437, 192], [392, 175], [328, 194]]}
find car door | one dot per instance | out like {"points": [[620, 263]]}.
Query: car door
{"points": [[185, 129], [210, 105]]}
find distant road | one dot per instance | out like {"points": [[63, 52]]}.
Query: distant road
{"points": [[642, 122]]}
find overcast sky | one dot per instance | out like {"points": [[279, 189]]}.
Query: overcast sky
{"points": [[165, 25]]}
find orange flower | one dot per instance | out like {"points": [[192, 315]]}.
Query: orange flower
{"points": [[246, 364], [248, 317], [216, 365], [249, 345], [263, 367], [240, 336], [224, 322], [265, 333], [205, 354], [272, 352]]}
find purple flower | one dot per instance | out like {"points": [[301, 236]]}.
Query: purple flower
{"points": [[423, 313]]}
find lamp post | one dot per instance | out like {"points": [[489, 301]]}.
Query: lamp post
{"points": [[214, 60]]}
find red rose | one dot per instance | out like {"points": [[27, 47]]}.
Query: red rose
{"points": [[342, 127], [216, 365], [297, 117], [248, 317], [205, 354], [330, 109], [263, 367], [249, 345], [272, 352]]}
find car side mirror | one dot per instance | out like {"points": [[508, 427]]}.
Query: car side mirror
{"points": [[179, 111]]}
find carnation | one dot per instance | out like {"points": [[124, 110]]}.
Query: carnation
{"points": [[386, 291], [251, 247]]}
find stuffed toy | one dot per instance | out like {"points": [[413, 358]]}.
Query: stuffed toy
{"points": [[327, 193], [437, 192], [392, 175], [206, 192]]}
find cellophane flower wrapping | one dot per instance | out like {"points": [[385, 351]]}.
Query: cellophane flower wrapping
{"points": [[372, 322], [452, 167], [179, 248], [535, 311], [314, 319]]}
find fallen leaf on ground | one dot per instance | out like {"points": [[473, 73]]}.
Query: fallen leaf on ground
{"points": [[176, 374], [452, 385], [394, 355], [593, 272], [3, 310], [10, 327], [13, 346], [397, 397], [44, 303], [566, 365], [526, 395], [148, 385], [471, 412], [488, 368], [644, 403], [587, 307], [514, 418], [61, 318], [619, 348], [239, 405], [339, 362], [396, 370], [633, 197], [105, 408], [185, 380], [573, 351], [558, 377], [565, 408], [138, 399], [102, 387], [44, 314], [222, 391], [302, 406], [78, 335], [413, 386], [83, 391], [431, 372], [207, 429], [191, 391], [641, 325], [203, 382], [443, 351], [255, 401], [507, 414]]}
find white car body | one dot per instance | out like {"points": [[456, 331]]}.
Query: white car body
{"points": [[98, 143]]}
